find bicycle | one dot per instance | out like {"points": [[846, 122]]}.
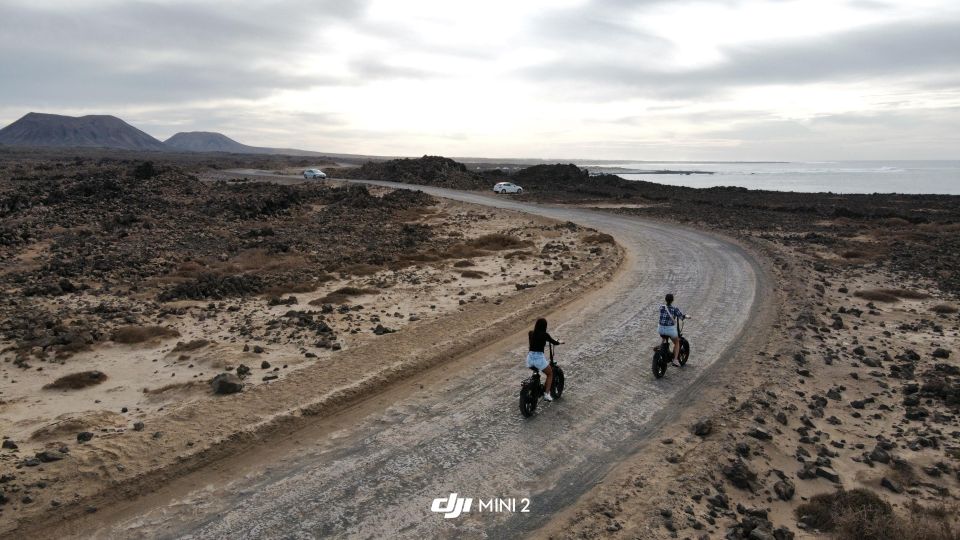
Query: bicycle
{"points": [[662, 355], [531, 389]]}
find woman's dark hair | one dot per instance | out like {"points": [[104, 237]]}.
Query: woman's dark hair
{"points": [[669, 299], [540, 327]]}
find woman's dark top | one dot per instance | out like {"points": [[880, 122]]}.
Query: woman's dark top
{"points": [[539, 341]]}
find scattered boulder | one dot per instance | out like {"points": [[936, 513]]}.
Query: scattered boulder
{"points": [[784, 489], [740, 475], [226, 383], [703, 427]]}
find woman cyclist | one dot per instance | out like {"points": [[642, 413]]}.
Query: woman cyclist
{"points": [[538, 340], [669, 315]]}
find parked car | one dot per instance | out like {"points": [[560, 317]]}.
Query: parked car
{"points": [[507, 187], [314, 173]]}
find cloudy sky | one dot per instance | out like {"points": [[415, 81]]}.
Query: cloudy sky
{"points": [[595, 79]]}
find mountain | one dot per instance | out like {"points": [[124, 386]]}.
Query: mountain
{"points": [[98, 131], [208, 141]]}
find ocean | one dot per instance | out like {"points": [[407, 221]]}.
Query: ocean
{"points": [[940, 177]]}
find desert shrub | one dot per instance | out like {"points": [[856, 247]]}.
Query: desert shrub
{"points": [[877, 295], [497, 242], [75, 381], [826, 510], [139, 334], [907, 293], [599, 238], [191, 345], [920, 523], [144, 171], [464, 251], [299, 287], [172, 386], [341, 295], [944, 308]]}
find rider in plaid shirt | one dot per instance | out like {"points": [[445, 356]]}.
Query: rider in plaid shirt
{"points": [[669, 315]]}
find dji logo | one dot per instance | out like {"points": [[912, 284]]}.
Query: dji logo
{"points": [[452, 506]]}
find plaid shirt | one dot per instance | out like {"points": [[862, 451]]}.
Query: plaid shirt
{"points": [[665, 319]]}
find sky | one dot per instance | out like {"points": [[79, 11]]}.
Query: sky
{"points": [[578, 79]]}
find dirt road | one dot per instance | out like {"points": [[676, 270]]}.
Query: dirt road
{"points": [[374, 470]]}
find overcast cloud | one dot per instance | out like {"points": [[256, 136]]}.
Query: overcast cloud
{"points": [[605, 79]]}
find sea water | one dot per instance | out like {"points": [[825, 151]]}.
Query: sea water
{"points": [[941, 177]]}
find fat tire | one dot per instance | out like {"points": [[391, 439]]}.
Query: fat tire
{"points": [[684, 351], [528, 404], [659, 364], [557, 389]]}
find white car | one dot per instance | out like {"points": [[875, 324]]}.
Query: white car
{"points": [[314, 173], [507, 187]]}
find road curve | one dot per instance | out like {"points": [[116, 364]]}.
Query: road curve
{"points": [[376, 475]]}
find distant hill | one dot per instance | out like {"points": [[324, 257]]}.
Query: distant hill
{"points": [[209, 141], [92, 131]]}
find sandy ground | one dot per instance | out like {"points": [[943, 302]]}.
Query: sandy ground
{"points": [[803, 408], [152, 410]]}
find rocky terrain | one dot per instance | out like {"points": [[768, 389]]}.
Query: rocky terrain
{"points": [[844, 421], [137, 294]]}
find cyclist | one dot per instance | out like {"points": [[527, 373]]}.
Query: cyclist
{"points": [[668, 325], [535, 359]]}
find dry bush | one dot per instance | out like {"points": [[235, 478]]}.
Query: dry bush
{"points": [[497, 242], [890, 295], [341, 295], [75, 381], [306, 286], [944, 308], [895, 222], [472, 274], [361, 269], [522, 255], [172, 386], [190, 269], [907, 293], [599, 238], [262, 261], [876, 295], [920, 523], [190, 345], [139, 334], [463, 251], [853, 254], [463, 263], [826, 511]]}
